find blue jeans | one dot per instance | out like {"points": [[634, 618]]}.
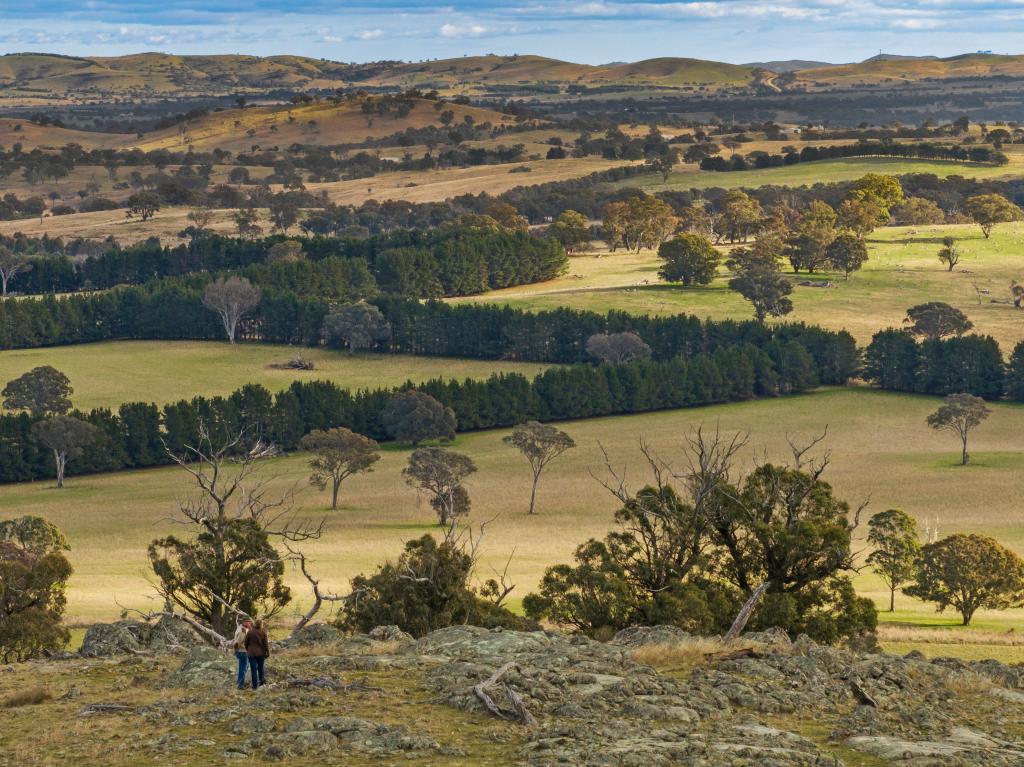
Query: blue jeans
{"points": [[243, 666], [256, 664]]}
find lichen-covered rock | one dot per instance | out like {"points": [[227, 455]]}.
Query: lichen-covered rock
{"points": [[389, 634], [638, 636], [172, 634], [315, 633], [122, 637], [204, 667]]}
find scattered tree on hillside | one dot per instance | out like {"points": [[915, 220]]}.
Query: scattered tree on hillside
{"points": [[66, 436], [969, 573], [960, 413], [229, 566], [764, 254], [893, 534], [441, 473], [766, 290], [617, 348], [232, 298], [413, 416], [571, 230], [143, 204], [807, 244], [247, 223], [688, 258], [34, 573], [949, 254], [694, 218], [199, 220], [11, 265], [847, 253], [42, 391], [338, 454], [987, 210], [357, 326], [540, 444], [936, 319], [283, 215]]}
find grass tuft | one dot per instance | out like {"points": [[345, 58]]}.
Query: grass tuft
{"points": [[31, 696]]}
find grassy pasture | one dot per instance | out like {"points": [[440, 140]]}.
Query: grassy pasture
{"points": [[902, 271], [881, 451], [819, 172], [107, 374]]}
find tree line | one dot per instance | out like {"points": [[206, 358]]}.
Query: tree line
{"points": [[922, 151], [139, 434], [458, 259]]}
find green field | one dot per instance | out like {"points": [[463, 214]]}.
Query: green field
{"points": [[881, 450], [902, 271], [819, 172], [107, 374]]}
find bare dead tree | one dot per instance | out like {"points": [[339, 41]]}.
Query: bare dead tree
{"points": [[516, 710]]}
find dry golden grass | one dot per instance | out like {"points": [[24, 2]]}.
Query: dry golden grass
{"points": [[890, 632], [684, 656], [30, 696]]}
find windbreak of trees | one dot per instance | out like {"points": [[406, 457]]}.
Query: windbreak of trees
{"points": [[896, 361], [452, 260], [134, 436], [923, 151], [172, 310]]}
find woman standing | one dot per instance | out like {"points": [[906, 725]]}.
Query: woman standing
{"points": [[257, 648]]}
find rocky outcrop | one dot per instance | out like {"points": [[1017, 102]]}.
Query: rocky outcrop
{"points": [[131, 637]]}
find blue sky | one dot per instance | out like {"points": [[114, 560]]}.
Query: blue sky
{"points": [[593, 32]]}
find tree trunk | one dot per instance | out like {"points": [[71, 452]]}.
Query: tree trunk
{"points": [[892, 599], [3, 279], [533, 493], [964, 457], [61, 459], [334, 494]]}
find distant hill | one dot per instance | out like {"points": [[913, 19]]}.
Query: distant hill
{"points": [[792, 65], [914, 69], [40, 78]]}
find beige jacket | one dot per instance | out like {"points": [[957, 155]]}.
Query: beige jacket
{"points": [[238, 643]]}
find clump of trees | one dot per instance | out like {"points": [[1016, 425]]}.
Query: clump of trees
{"points": [[693, 546], [442, 474], [936, 319], [34, 573], [968, 573]]}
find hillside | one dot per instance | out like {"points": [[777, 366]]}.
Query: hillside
{"points": [[325, 123], [912, 69]]}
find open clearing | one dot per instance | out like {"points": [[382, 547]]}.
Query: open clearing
{"points": [[107, 374], [820, 172], [902, 271], [881, 450]]}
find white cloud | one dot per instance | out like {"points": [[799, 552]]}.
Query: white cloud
{"points": [[370, 34], [467, 30]]}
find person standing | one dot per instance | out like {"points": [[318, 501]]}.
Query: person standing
{"points": [[257, 648], [238, 643]]}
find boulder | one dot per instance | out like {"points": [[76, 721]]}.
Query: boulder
{"points": [[172, 634], [204, 667], [638, 636], [104, 639], [314, 633]]}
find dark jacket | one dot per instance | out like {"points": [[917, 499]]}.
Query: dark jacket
{"points": [[256, 643]]}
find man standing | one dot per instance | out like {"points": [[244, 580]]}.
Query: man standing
{"points": [[240, 653]]}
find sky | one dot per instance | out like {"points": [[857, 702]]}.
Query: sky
{"points": [[594, 32]]}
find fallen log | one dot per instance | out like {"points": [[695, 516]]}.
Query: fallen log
{"points": [[518, 711], [106, 708]]}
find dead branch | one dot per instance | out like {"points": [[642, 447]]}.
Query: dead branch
{"points": [[204, 631], [319, 597], [745, 652], [106, 708], [817, 466], [518, 711], [863, 696], [745, 612], [618, 489]]}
